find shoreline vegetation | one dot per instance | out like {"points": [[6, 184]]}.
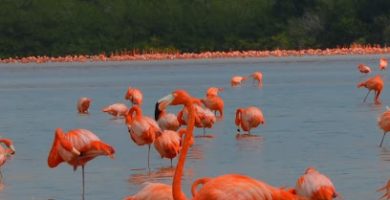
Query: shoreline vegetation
{"points": [[136, 55]]}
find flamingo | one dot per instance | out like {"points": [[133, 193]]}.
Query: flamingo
{"points": [[382, 63], [214, 103], [225, 187], [386, 189], [248, 118], [77, 147], [258, 76], [374, 83], [213, 91], [153, 191], [384, 123], [83, 105], [116, 109], [6, 152], [315, 186], [237, 80], [134, 95], [167, 143], [204, 118], [142, 129], [364, 69], [167, 121]]}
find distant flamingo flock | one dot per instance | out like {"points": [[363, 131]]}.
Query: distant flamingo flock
{"points": [[172, 135]]}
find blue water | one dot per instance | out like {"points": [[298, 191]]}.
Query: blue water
{"points": [[313, 110]]}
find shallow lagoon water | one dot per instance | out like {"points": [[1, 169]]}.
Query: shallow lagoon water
{"points": [[314, 117]]}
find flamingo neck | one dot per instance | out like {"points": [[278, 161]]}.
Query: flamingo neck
{"points": [[178, 194], [238, 116], [137, 110]]}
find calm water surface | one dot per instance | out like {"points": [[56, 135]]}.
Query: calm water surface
{"points": [[314, 117]]}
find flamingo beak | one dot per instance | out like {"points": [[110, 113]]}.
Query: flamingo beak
{"points": [[162, 104], [75, 151], [238, 129], [12, 149]]}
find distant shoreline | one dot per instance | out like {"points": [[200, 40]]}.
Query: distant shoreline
{"points": [[130, 56]]}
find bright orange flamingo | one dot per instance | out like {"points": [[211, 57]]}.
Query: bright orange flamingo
{"points": [[386, 190], [364, 69], [167, 143], [374, 83], [214, 103], [83, 105], [142, 129], [237, 80], [213, 91], [258, 76], [382, 63], [6, 152], [134, 95], [77, 147], [167, 121], [384, 124], [248, 118], [315, 186], [116, 109], [225, 187]]}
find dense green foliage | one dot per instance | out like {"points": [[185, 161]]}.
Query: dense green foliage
{"points": [[59, 27]]}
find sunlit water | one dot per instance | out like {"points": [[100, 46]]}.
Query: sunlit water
{"points": [[314, 117]]}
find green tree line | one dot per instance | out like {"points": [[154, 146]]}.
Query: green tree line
{"points": [[60, 27]]}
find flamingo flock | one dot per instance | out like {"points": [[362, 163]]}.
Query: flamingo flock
{"points": [[172, 135]]}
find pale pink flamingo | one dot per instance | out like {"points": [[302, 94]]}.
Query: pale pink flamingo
{"points": [[167, 143], [134, 95], [374, 83], [248, 118], [153, 191], [167, 121], [116, 109], [382, 63], [77, 147], [237, 80], [6, 152], [213, 91], [386, 190], [384, 123], [315, 186], [204, 118], [214, 103], [142, 129], [83, 105], [258, 76], [364, 69], [225, 187]]}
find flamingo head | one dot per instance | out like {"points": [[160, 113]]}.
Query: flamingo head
{"points": [[9, 144], [178, 97]]}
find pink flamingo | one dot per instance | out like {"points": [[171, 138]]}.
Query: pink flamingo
{"points": [[382, 63], [384, 123], [116, 109], [6, 152], [134, 95], [77, 147], [237, 80], [142, 129], [386, 189], [204, 118], [167, 143], [167, 121], [213, 91], [248, 118], [315, 186], [83, 105], [364, 69], [374, 83], [258, 76]]}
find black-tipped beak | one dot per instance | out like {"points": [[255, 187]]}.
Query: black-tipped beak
{"points": [[157, 111]]}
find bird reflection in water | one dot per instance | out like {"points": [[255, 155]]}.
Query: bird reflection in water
{"points": [[160, 175]]}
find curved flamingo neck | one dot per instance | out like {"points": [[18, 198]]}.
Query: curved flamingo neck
{"points": [[178, 194], [238, 116]]}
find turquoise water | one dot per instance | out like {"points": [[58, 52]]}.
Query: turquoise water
{"points": [[313, 110]]}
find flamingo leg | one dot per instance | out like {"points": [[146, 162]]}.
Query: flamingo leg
{"points": [[171, 163], [383, 137], [364, 100], [204, 131], [83, 180], [1, 176], [148, 155]]}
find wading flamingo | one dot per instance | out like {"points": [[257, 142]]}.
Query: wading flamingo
{"points": [[225, 187], [386, 190], [134, 95], [237, 80], [214, 103], [116, 109], [153, 191], [167, 121], [315, 186], [382, 63], [384, 123], [167, 143], [248, 118], [364, 69], [83, 105], [374, 83], [204, 118], [6, 152], [142, 129], [258, 76], [77, 147], [213, 91]]}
